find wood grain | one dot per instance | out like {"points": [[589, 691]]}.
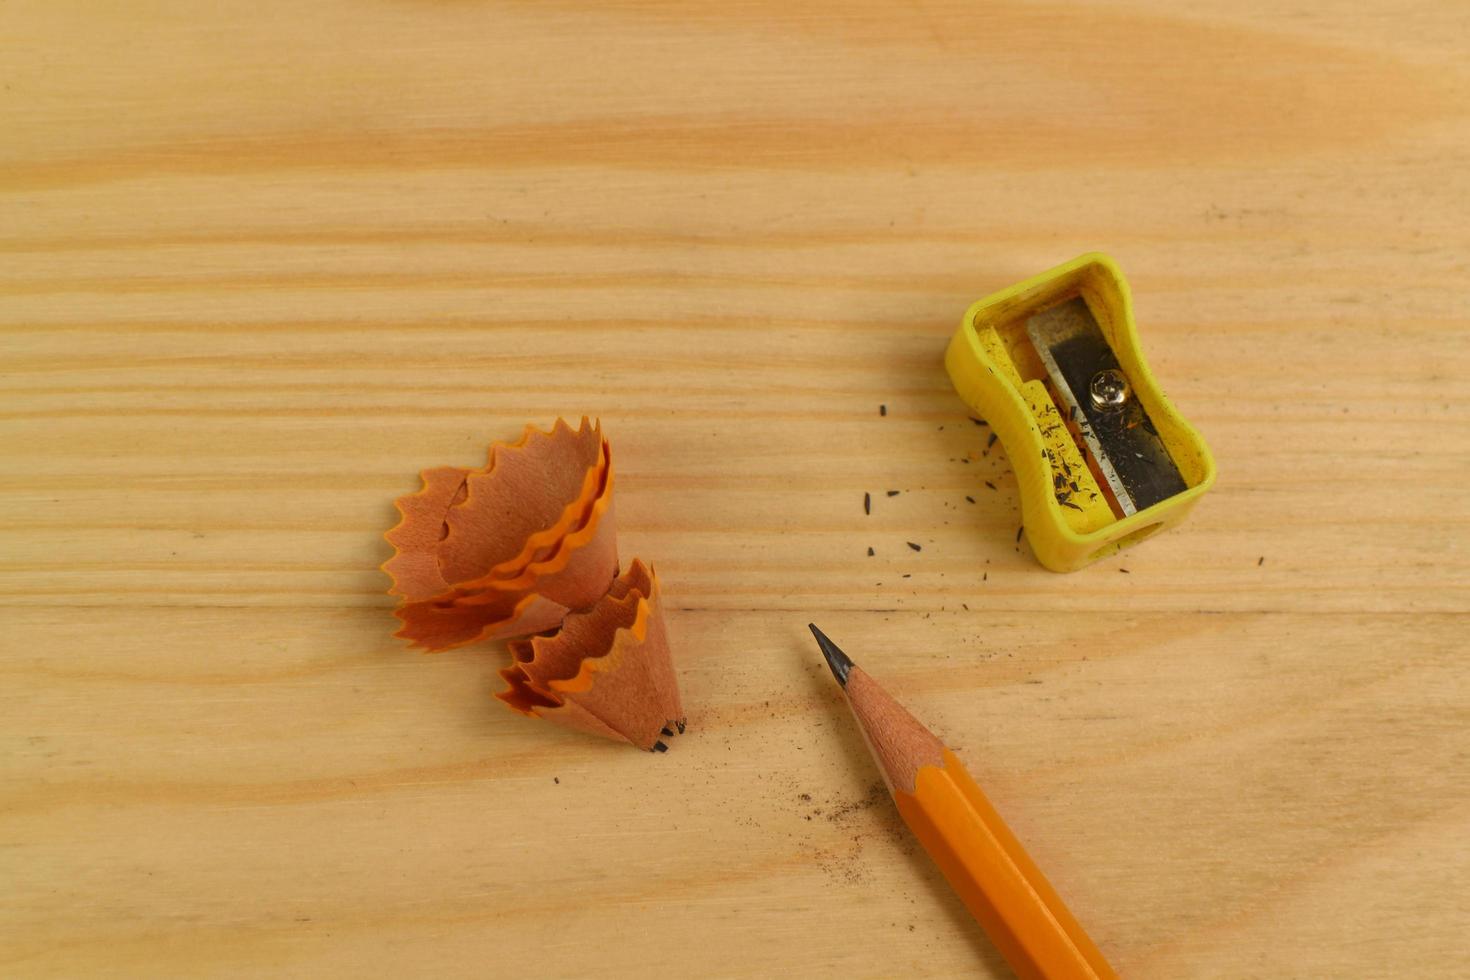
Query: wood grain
{"points": [[260, 263]]}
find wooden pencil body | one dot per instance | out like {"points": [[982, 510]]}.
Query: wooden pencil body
{"points": [[996, 879], [976, 851]]}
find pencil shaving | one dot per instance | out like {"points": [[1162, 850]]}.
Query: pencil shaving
{"points": [[525, 545], [529, 494], [607, 671], [508, 549], [414, 566]]}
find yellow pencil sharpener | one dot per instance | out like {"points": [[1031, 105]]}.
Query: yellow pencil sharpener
{"points": [[1102, 458]]}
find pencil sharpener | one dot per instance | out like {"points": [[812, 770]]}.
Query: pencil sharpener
{"points": [[1102, 458]]}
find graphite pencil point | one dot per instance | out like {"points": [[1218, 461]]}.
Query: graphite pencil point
{"points": [[836, 659]]}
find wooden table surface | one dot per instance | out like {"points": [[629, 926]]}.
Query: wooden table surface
{"points": [[260, 263]]}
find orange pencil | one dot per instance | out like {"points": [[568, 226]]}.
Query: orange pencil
{"points": [[978, 854]]}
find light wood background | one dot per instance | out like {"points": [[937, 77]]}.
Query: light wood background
{"points": [[261, 262]]}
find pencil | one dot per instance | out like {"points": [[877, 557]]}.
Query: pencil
{"points": [[978, 854]]}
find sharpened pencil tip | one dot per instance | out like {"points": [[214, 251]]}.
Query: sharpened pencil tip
{"points": [[836, 659]]}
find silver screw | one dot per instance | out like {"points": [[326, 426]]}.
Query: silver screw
{"points": [[1109, 390]]}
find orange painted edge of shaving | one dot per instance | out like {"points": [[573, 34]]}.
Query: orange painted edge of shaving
{"points": [[565, 524], [474, 592], [599, 663], [520, 608], [491, 454]]}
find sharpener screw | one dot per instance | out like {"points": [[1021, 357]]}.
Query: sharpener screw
{"points": [[1109, 390]]}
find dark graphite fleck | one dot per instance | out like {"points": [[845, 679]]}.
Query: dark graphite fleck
{"points": [[870, 552], [914, 546], [969, 498], [867, 503], [894, 493], [882, 409], [1020, 531]]}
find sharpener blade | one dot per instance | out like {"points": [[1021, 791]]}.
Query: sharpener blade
{"points": [[1122, 440]]}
